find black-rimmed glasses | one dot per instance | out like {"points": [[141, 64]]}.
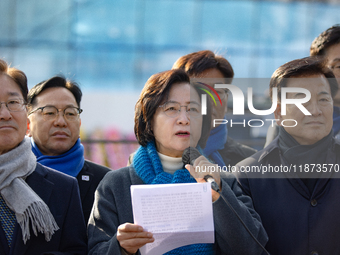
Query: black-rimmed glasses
{"points": [[222, 93], [51, 112]]}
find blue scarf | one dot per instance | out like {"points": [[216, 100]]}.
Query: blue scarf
{"points": [[336, 120], [149, 168], [216, 141], [69, 163]]}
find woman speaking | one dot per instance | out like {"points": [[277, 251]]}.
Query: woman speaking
{"points": [[168, 119]]}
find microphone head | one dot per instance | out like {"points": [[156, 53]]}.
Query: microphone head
{"points": [[189, 155]]}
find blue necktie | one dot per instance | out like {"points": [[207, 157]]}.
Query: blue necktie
{"points": [[7, 220]]}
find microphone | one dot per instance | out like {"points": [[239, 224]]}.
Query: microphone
{"points": [[189, 156]]}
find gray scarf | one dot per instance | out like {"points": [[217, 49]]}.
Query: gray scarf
{"points": [[15, 166]]}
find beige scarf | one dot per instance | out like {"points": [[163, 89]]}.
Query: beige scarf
{"points": [[15, 166]]}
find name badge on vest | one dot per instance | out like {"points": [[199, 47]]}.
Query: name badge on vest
{"points": [[85, 178]]}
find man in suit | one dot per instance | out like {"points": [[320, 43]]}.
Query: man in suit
{"points": [[40, 209], [54, 109], [294, 182], [327, 45]]}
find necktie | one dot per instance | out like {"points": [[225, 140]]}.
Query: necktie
{"points": [[7, 220]]}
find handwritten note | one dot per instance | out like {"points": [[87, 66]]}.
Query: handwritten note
{"points": [[176, 214]]}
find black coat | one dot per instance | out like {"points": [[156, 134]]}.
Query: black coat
{"points": [[88, 179], [61, 194], [297, 221]]}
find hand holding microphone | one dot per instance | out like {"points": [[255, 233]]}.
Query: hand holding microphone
{"points": [[194, 162], [202, 169]]}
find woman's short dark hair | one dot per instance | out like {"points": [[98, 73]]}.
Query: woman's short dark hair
{"points": [[325, 40], [154, 93], [197, 62], [17, 76], [303, 67], [56, 81]]}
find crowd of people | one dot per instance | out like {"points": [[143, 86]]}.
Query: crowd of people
{"points": [[54, 201]]}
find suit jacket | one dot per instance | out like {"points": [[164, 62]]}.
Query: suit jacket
{"points": [[88, 179], [61, 194]]}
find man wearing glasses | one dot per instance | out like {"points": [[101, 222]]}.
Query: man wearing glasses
{"points": [[54, 113], [33, 218]]}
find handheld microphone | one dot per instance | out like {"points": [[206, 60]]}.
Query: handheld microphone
{"points": [[189, 156]]}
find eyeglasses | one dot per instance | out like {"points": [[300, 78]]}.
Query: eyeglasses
{"points": [[222, 93], [336, 69], [51, 112], [14, 105], [172, 109]]}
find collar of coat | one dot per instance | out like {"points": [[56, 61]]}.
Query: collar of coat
{"points": [[273, 148]]}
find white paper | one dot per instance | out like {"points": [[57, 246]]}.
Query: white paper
{"points": [[176, 214]]}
